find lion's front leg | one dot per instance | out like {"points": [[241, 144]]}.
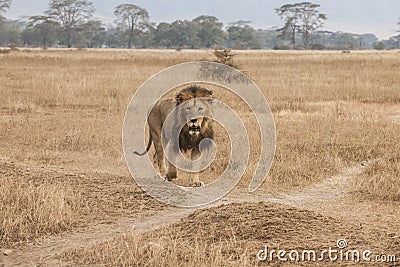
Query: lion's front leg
{"points": [[171, 169], [171, 172], [194, 177]]}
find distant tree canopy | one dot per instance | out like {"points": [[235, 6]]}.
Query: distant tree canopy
{"points": [[91, 33], [209, 31], [132, 18], [398, 24], [302, 18], [43, 26], [201, 32], [242, 36], [70, 23], [4, 6], [71, 14]]}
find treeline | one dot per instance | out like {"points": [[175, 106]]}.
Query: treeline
{"points": [[71, 23]]}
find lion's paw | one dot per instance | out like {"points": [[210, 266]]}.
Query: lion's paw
{"points": [[170, 176]]}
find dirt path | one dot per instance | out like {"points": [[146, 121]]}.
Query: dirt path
{"points": [[328, 189], [45, 252]]}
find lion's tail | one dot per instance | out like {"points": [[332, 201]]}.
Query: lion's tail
{"points": [[147, 148]]}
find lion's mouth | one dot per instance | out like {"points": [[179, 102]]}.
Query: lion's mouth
{"points": [[194, 129]]}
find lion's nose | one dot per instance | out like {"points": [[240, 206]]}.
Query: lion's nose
{"points": [[193, 120]]}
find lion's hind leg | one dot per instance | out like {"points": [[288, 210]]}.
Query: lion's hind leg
{"points": [[159, 152]]}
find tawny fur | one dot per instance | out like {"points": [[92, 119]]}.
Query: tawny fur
{"points": [[187, 142]]}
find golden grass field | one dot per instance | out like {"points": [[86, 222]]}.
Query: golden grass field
{"points": [[62, 167]]}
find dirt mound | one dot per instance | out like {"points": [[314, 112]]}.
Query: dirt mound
{"points": [[254, 225], [275, 224], [234, 234]]}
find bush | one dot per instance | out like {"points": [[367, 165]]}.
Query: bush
{"points": [[317, 47], [281, 47], [379, 46], [225, 56]]}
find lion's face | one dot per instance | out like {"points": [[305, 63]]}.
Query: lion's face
{"points": [[195, 109], [196, 113]]}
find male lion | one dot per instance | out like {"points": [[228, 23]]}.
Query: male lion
{"points": [[197, 127]]}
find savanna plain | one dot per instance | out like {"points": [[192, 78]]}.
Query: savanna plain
{"points": [[64, 181]]}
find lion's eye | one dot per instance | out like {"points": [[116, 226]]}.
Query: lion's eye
{"points": [[201, 109], [187, 108]]}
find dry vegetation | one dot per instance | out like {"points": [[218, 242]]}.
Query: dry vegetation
{"points": [[29, 211], [64, 109], [201, 240]]}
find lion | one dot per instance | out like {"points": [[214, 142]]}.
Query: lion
{"points": [[198, 126]]}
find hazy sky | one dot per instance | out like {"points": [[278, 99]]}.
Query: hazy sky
{"points": [[357, 16]]}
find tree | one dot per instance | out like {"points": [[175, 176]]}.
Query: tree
{"points": [[268, 38], [290, 13], [71, 14], [242, 36], [178, 34], [184, 34], [162, 35], [4, 6], [367, 40], [392, 43], [113, 37], [92, 33], [10, 33], [134, 19], [311, 20], [45, 26], [398, 24], [303, 18], [337, 40], [145, 38], [210, 31], [379, 46]]}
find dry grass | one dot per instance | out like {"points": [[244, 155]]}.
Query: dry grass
{"points": [[65, 108], [30, 211], [201, 240], [71, 96], [169, 250], [381, 180]]}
